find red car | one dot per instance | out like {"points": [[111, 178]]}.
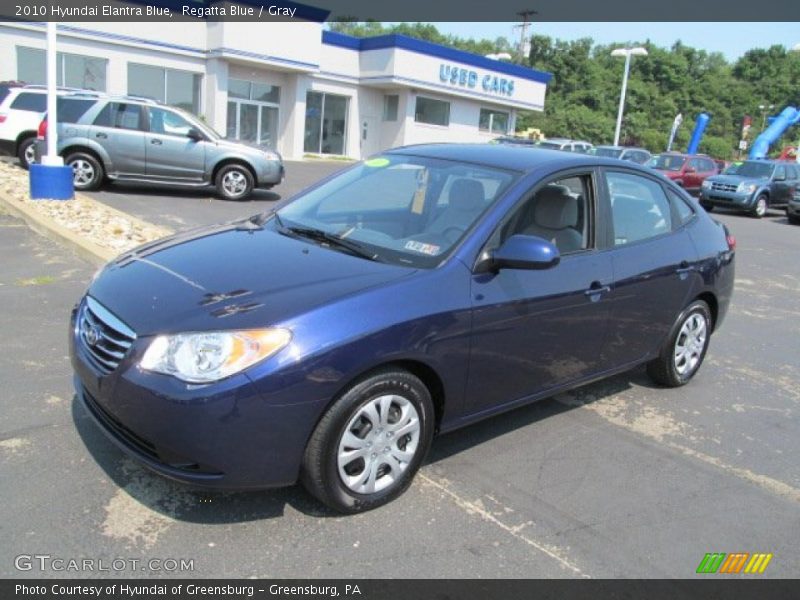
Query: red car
{"points": [[687, 170]]}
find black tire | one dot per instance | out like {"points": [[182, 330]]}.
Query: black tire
{"points": [[664, 369], [707, 207], [25, 151], [793, 219], [88, 172], [321, 469], [234, 182], [760, 206]]}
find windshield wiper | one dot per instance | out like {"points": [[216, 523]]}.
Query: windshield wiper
{"points": [[330, 239]]}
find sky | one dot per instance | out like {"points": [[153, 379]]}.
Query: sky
{"points": [[732, 39]]}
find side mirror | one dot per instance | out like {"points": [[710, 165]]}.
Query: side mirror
{"points": [[527, 252], [195, 134]]}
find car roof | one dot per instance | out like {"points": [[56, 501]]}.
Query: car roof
{"points": [[506, 156]]}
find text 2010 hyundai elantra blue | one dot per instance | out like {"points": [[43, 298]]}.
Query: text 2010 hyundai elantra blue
{"points": [[415, 293]]}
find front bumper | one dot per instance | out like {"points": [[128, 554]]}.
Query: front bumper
{"points": [[735, 200], [225, 435], [270, 173]]}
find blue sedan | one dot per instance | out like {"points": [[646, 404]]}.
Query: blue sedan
{"points": [[415, 293]]}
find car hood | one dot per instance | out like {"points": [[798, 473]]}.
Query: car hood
{"points": [[735, 179], [225, 278], [242, 146]]}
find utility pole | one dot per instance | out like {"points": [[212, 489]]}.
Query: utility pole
{"points": [[523, 32]]}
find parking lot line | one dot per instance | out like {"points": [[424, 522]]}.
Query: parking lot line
{"points": [[515, 531]]}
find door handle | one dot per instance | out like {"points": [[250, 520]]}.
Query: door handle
{"points": [[596, 289], [684, 268], [102, 136], [157, 142]]}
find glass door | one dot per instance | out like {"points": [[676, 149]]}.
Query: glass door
{"points": [[253, 122], [326, 123]]}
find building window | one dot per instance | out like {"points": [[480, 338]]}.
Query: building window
{"points": [[390, 104], [250, 90], [494, 121], [253, 112], [171, 86], [72, 70], [433, 112], [326, 123]]}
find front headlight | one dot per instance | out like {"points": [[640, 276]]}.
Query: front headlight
{"points": [[271, 155], [747, 188], [706, 185], [213, 355]]}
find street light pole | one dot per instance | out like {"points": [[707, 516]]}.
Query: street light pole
{"points": [[627, 53]]}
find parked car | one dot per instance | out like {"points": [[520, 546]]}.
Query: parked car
{"points": [[637, 155], [793, 208], [687, 170], [513, 140], [752, 186], [416, 292], [133, 139], [565, 144], [21, 110]]}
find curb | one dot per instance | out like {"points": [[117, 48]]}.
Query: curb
{"points": [[46, 227], [83, 247]]}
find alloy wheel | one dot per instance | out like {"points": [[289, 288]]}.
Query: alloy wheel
{"points": [[82, 172], [234, 183]]}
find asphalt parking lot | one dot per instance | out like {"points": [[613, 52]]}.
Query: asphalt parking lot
{"points": [[617, 479]]}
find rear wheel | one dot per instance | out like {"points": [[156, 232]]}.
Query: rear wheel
{"points": [[760, 206], [87, 172], [234, 182], [685, 347], [26, 152], [366, 449]]}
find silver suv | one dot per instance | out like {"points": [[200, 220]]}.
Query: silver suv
{"points": [[132, 139]]}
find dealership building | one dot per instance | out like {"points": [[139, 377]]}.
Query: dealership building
{"points": [[292, 86]]}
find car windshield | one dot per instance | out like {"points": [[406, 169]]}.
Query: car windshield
{"points": [[666, 162], [405, 210], [607, 152], [756, 170], [196, 122]]}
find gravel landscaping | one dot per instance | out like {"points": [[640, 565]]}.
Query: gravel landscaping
{"points": [[91, 220]]}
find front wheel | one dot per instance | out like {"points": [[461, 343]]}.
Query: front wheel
{"points": [[87, 172], [707, 207], [367, 447], [793, 219], [234, 182], [685, 348], [760, 207]]}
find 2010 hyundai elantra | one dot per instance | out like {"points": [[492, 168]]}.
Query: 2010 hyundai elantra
{"points": [[414, 293]]}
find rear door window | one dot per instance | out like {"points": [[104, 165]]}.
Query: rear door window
{"points": [[30, 102], [639, 207], [120, 116]]}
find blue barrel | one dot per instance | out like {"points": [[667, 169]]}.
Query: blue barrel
{"points": [[51, 182]]}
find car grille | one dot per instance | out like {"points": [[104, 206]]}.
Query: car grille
{"points": [[104, 338], [723, 187]]}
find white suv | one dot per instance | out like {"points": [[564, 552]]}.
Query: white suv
{"points": [[21, 110]]}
